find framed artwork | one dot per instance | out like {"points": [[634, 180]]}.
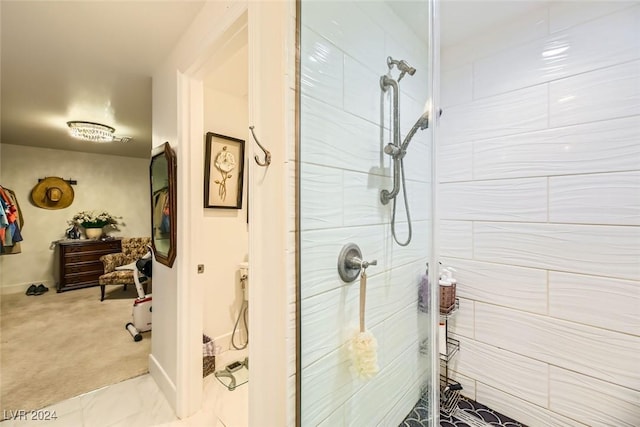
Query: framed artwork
{"points": [[224, 162]]}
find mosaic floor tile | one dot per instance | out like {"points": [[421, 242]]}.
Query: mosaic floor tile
{"points": [[471, 414]]}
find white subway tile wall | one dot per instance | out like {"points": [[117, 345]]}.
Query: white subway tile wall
{"points": [[463, 323], [497, 200], [501, 284], [610, 198], [605, 146], [539, 212], [524, 377], [603, 94], [594, 249], [456, 238], [560, 343], [468, 384], [521, 409], [580, 298], [569, 391], [345, 124]]}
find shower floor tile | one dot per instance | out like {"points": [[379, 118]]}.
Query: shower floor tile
{"points": [[472, 414]]}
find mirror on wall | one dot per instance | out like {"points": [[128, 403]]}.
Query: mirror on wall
{"points": [[162, 172]]}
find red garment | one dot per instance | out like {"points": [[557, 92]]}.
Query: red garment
{"points": [[12, 212], [3, 230]]}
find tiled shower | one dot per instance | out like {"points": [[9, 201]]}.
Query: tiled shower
{"points": [[344, 125], [537, 208], [539, 212]]}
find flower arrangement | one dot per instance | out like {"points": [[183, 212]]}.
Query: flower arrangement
{"points": [[225, 163], [89, 219]]}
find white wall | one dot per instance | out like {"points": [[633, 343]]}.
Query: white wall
{"points": [[225, 114], [272, 213], [344, 48], [119, 185], [539, 191]]}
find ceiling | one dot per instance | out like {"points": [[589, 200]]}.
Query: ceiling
{"points": [[85, 60], [93, 61]]}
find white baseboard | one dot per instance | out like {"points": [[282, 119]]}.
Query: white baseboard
{"points": [[21, 288], [161, 378]]}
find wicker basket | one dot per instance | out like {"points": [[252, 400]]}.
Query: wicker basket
{"points": [[208, 358], [208, 365], [447, 298]]}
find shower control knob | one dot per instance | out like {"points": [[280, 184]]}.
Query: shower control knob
{"points": [[366, 264], [350, 262]]}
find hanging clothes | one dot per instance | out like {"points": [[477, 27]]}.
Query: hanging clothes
{"points": [[11, 222], [161, 213], [164, 224]]}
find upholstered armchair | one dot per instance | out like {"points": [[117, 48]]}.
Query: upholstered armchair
{"points": [[133, 249]]}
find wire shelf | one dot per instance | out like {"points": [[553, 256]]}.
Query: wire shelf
{"points": [[453, 345], [451, 310]]}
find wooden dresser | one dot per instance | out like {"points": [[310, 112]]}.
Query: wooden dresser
{"points": [[79, 263]]}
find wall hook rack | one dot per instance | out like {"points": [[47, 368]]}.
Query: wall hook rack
{"points": [[267, 154], [70, 181]]}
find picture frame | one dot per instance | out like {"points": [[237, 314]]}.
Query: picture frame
{"points": [[224, 170]]}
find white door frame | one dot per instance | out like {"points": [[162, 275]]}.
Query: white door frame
{"points": [[271, 29], [190, 293]]}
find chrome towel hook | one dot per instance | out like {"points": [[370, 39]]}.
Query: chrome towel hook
{"points": [[267, 154]]}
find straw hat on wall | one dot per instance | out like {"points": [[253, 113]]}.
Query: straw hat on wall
{"points": [[52, 193]]}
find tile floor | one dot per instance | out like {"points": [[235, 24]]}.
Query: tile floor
{"points": [[138, 402], [468, 414]]}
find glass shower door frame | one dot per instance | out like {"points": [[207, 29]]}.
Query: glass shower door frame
{"points": [[433, 66]]}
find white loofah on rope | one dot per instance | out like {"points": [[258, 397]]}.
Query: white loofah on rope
{"points": [[364, 355], [363, 347]]}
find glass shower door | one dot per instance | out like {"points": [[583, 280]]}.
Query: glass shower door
{"points": [[365, 352]]}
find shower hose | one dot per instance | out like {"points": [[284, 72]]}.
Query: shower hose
{"points": [[406, 208], [241, 315]]}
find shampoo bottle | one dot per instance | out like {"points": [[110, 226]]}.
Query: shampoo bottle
{"points": [[447, 290]]}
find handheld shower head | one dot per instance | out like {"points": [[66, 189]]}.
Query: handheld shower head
{"points": [[402, 65], [423, 121], [421, 124]]}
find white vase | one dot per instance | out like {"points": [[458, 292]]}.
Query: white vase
{"points": [[93, 233]]}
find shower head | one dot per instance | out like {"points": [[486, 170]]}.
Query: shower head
{"points": [[423, 121], [421, 124], [402, 65], [406, 68]]}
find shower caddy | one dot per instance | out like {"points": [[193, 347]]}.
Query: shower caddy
{"points": [[449, 389]]}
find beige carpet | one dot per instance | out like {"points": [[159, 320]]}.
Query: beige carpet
{"points": [[59, 345]]}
